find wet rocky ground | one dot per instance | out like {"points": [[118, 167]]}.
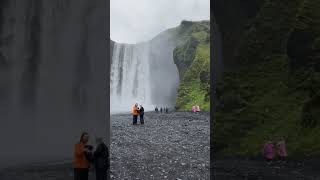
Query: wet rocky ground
{"points": [[168, 146], [240, 169], [60, 171]]}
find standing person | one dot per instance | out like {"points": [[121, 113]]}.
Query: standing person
{"points": [[156, 109], [194, 109], [101, 160], [282, 150], [81, 163], [269, 152], [135, 113], [197, 108], [161, 109], [141, 114]]}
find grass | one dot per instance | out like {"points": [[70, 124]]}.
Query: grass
{"points": [[272, 110], [193, 58]]}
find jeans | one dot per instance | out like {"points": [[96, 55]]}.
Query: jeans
{"points": [[135, 119], [141, 119]]}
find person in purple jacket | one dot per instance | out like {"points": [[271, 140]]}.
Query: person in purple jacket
{"points": [[269, 151]]}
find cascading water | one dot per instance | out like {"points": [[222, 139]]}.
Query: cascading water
{"points": [[143, 73], [130, 77]]}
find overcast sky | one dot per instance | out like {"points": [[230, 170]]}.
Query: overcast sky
{"points": [[134, 21]]}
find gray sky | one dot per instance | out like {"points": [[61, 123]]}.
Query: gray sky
{"points": [[134, 21]]}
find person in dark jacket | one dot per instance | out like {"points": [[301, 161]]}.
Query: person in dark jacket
{"points": [[101, 160], [141, 114]]}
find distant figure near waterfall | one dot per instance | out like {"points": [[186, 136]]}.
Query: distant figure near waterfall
{"points": [[194, 109], [197, 108], [269, 151], [141, 112], [161, 109], [156, 109], [135, 113], [281, 149]]}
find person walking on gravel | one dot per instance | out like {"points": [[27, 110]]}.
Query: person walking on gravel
{"points": [[135, 114], [141, 112]]}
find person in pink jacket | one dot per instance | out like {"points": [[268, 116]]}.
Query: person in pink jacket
{"points": [[282, 150], [269, 151], [194, 109]]}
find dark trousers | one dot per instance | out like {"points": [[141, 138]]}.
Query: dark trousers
{"points": [[135, 119], [81, 174], [141, 119], [101, 174]]}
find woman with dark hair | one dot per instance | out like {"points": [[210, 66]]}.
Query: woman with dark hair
{"points": [[141, 112], [101, 160], [81, 163]]}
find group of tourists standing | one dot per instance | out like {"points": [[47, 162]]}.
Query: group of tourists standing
{"points": [[137, 111], [165, 109], [195, 108], [85, 155], [272, 149]]}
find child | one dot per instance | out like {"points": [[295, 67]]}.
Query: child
{"points": [[268, 151]]}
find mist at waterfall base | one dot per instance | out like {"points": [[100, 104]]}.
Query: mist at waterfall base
{"points": [[53, 85], [143, 73]]}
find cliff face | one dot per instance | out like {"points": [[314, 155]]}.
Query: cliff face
{"points": [[192, 57], [270, 87], [53, 69]]}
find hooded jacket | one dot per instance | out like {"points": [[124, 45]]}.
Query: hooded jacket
{"points": [[135, 111]]}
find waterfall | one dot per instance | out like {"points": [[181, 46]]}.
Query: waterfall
{"points": [[143, 73], [130, 77]]}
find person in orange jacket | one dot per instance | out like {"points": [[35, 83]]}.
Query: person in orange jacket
{"points": [[81, 163], [135, 113]]}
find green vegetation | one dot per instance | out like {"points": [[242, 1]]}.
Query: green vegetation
{"points": [[192, 57], [275, 90]]}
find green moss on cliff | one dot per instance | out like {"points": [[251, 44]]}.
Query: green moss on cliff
{"points": [[192, 58], [275, 90]]}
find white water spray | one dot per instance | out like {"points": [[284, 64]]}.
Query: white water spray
{"points": [[130, 77]]}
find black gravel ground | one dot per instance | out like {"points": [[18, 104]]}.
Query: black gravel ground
{"points": [[168, 146], [61, 171], [239, 169]]}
